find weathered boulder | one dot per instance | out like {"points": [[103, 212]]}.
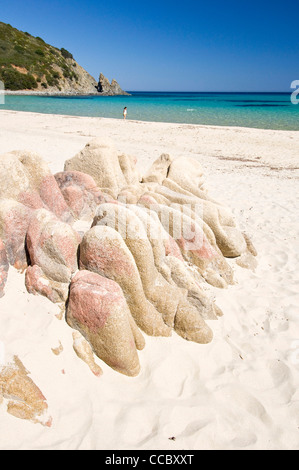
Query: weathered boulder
{"points": [[159, 170], [200, 193], [150, 198], [26, 178], [54, 200], [194, 245], [104, 251], [165, 248], [162, 243], [36, 282], [4, 266], [53, 246], [169, 300], [190, 325], [173, 249], [129, 169], [25, 400], [42, 180], [99, 159], [130, 194], [187, 173], [13, 178], [185, 278], [218, 218], [98, 309], [14, 222], [170, 262], [157, 236], [159, 293], [81, 193]]}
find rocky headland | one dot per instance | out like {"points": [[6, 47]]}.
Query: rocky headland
{"points": [[28, 65]]}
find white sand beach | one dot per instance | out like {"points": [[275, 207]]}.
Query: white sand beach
{"points": [[240, 391]]}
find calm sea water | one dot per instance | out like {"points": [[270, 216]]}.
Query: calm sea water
{"points": [[260, 110]]}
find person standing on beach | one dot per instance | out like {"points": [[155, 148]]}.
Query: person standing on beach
{"points": [[125, 113]]}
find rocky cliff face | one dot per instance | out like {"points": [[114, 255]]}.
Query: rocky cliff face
{"points": [[83, 84], [106, 88]]}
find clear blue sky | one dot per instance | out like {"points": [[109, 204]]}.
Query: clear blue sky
{"points": [[210, 45]]}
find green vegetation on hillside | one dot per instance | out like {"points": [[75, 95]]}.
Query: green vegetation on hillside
{"points": [[27, 61]]}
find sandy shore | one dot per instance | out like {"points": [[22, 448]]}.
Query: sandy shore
{"points": [[239, 392]]}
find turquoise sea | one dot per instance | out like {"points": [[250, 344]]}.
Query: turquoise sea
{"points": [[259, 110]]}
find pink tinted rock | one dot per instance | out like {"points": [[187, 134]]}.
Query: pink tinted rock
{"points": [[53, 246], [104, 252], [98, 309], [172, 248], [99, 159], [81, 193], [42, 190], [147, 200], [31, 199], [202, 248], [26, 178], [37, 283], [4, 266], [14, 222], [53, 199]]}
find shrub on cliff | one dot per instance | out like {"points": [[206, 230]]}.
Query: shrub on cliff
{"points": [[14, 80], [40, 52], [66, 54]]}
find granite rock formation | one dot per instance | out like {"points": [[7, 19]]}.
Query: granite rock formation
{"points": [[151, 249]]}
